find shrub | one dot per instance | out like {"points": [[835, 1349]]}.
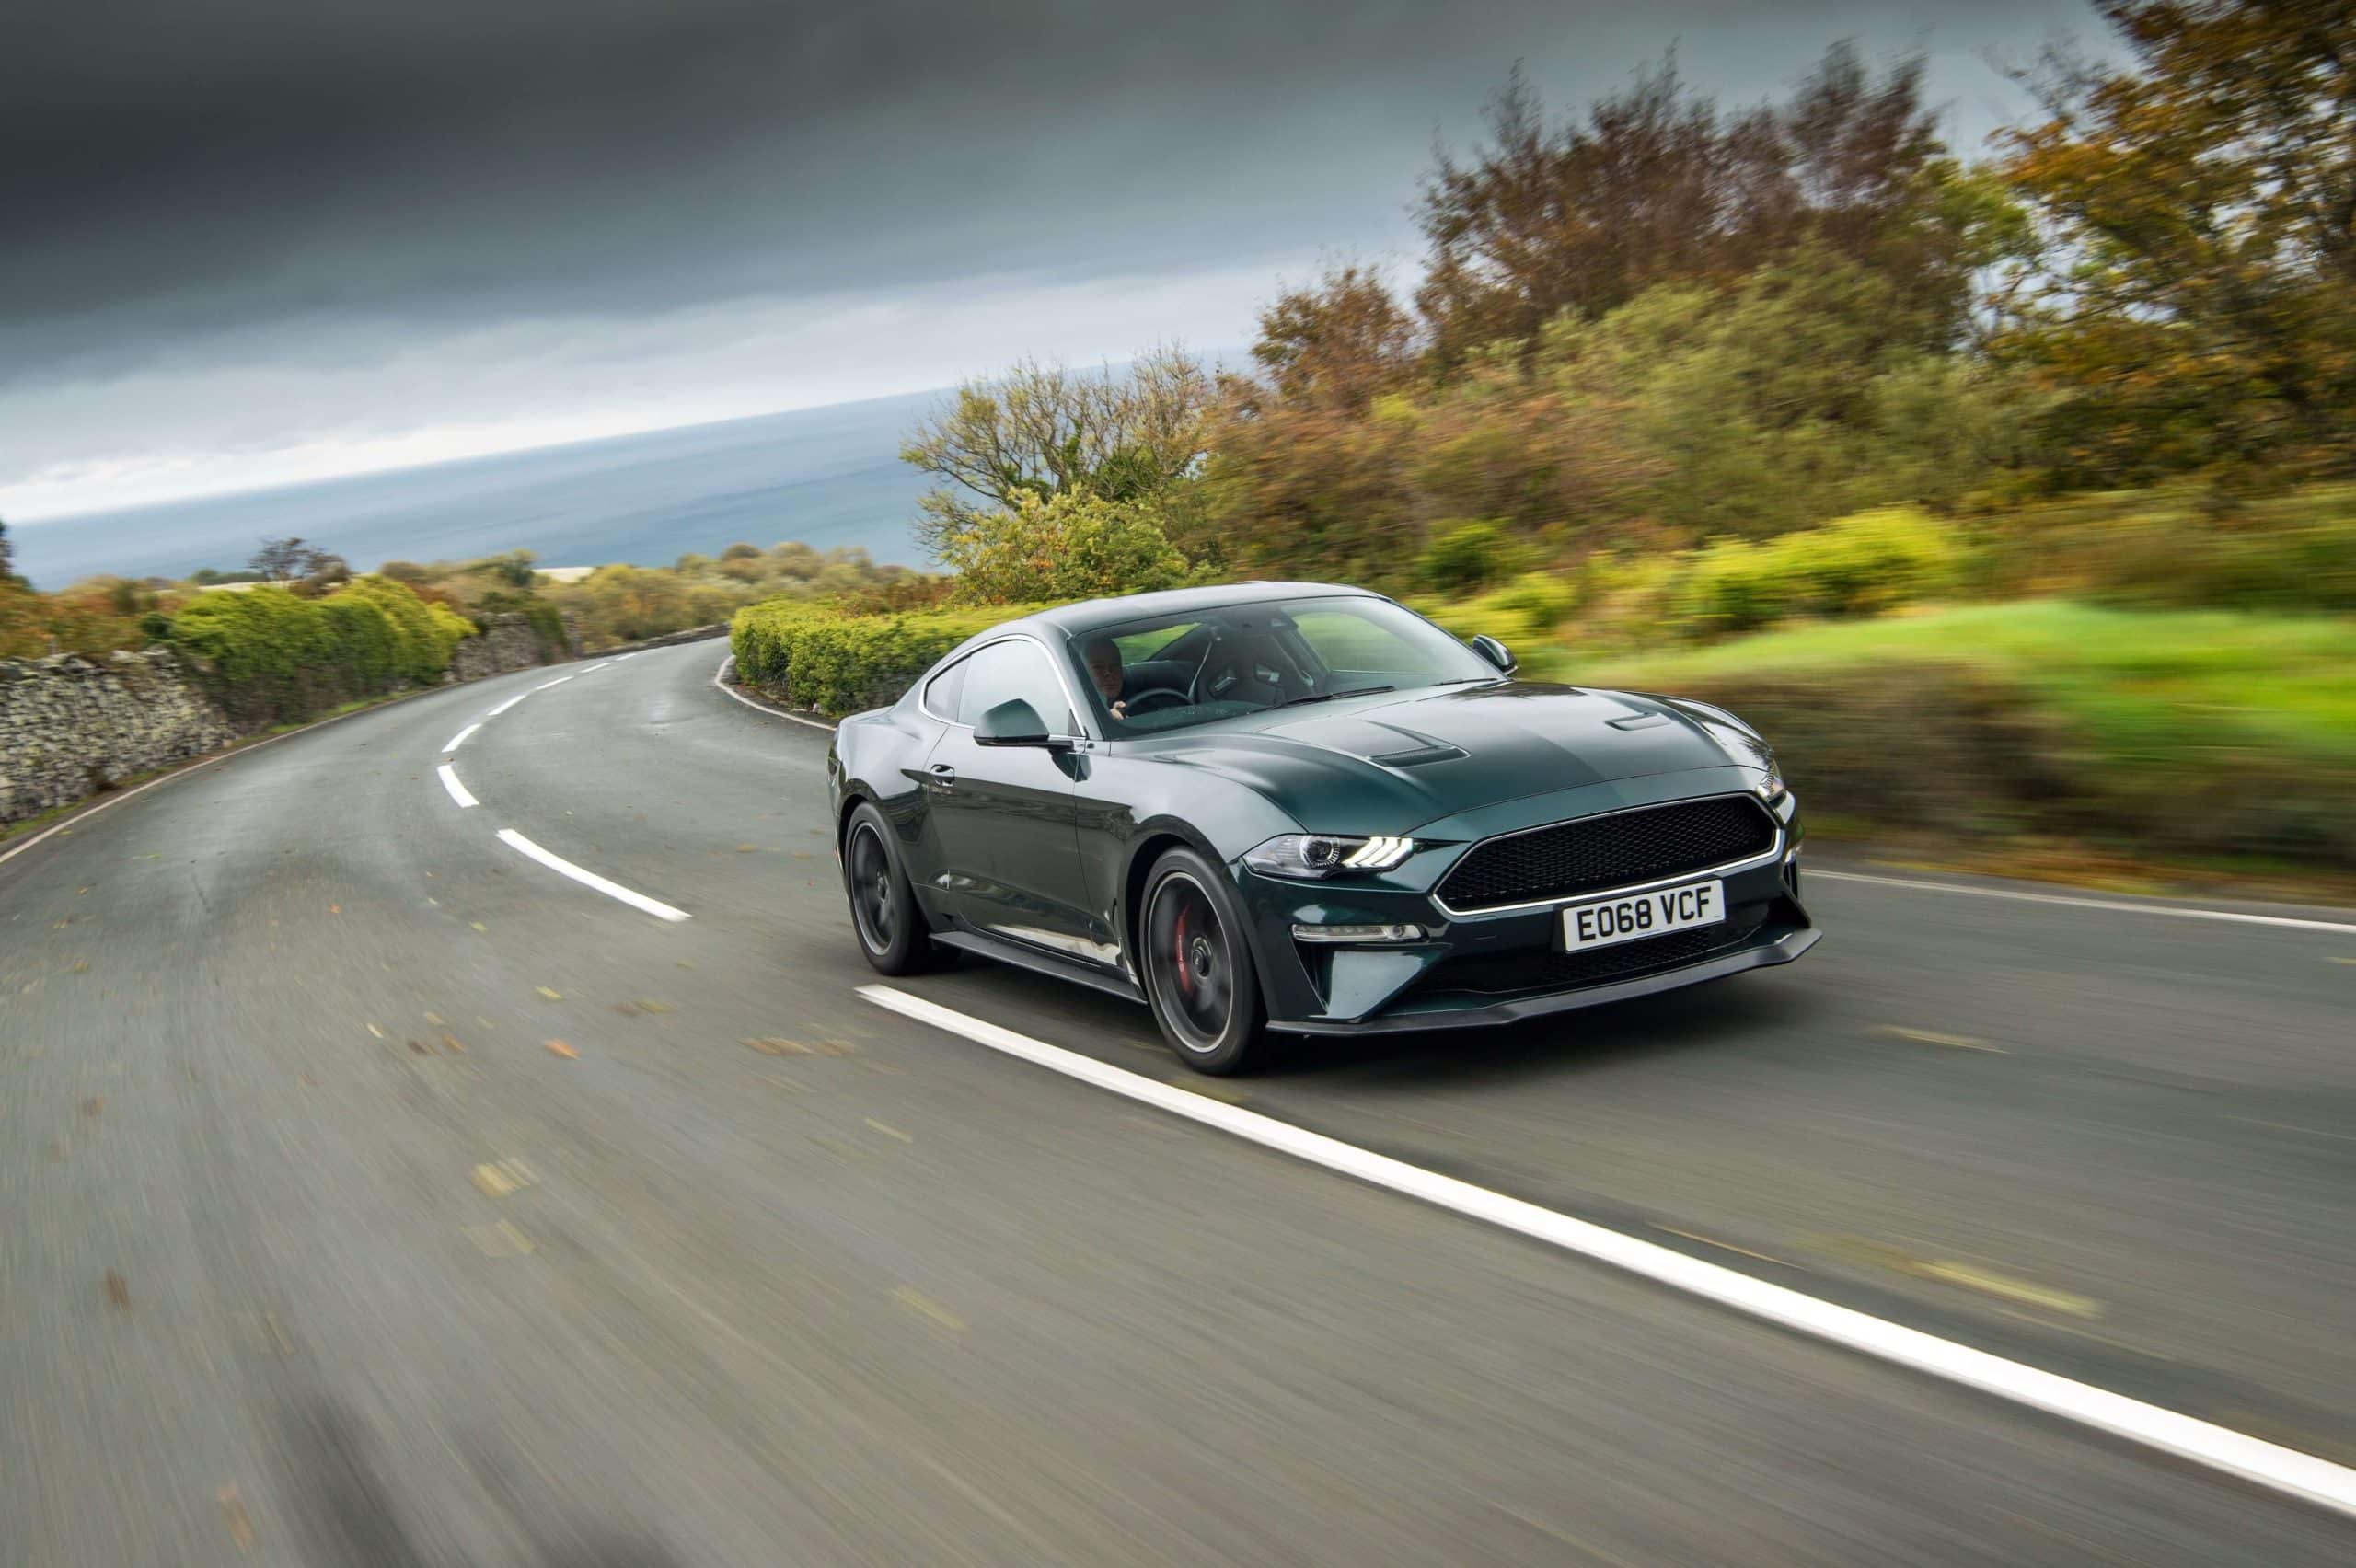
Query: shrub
{"points": [[1523, 613], [270, 656], [817, 657], [1076, 546], [427, 632], [1463, 556], [1869, 561], [2179, 548]]}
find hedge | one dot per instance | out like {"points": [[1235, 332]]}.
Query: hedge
{"points": [[269, 656], [815, 656]]}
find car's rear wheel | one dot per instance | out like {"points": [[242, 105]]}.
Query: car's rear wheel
{"points": [[1199, 973], [892, 929]]}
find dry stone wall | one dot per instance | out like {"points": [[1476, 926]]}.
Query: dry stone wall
{"points": [[70, 727]]}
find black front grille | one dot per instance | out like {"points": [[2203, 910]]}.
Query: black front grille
{"points": [[1618, 851], [1539, 970]]}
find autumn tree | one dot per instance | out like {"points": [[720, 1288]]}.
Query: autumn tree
{"points": [[1049, 430], [1655, 185], [1335, 343], [2196, 305]]}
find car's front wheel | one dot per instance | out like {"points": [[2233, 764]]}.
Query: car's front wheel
{"points": [[1199, 973], [892, 929]]}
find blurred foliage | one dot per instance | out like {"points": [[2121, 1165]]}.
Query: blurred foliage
{"points": [[2192, 302], [2167, 734]]}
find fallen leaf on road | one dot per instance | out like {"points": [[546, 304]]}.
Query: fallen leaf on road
{"points": [[650, 1005], [741, 849], [452, 1042], [93, 1105], [561, 1049], [551, 996], [118, 1292], [891, 1132], [628, 1010], [81, 967], [434, 1019], [421, 1050], [478, 924], [377, 1032], [335, 908], [777, 1046], [232, 1514], [502, 1177]]}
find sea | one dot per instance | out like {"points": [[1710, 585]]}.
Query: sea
{"points": [[827, 476]]}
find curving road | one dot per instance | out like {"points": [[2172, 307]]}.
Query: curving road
{"points": [[315, 1249]]}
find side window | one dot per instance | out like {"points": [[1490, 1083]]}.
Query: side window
{"points": [[942, 693], [1006, 671]]}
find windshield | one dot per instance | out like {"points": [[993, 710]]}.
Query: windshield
{"points": [[1171, 672]]}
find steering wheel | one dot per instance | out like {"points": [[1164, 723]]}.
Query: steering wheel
{"points": [[1132, 706]]}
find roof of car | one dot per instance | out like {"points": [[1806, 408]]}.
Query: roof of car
{"points": [[1095, 614]]}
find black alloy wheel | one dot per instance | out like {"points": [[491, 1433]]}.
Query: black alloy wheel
{"points": [[1198, 970], [892, 929]]}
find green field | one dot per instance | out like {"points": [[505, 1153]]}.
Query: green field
{"points": [[2138, 682], [2205, 738]]}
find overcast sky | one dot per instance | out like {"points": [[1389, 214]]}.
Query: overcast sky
{"points": [[258, 240]]}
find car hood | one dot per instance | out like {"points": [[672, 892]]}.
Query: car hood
{"points": [[1384, 764]]}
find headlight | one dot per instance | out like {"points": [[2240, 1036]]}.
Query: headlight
{"points": [[1770, 788], [1323, 854]]}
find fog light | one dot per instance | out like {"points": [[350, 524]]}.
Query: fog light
{"points": [[1392, 933]]}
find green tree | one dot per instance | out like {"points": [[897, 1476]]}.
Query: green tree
{"points": [[7, 557], [1047, 431], [1073, 546], [2194, 305]]}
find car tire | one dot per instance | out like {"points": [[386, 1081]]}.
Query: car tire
{"points": [[892, 929], [1197, 962]]}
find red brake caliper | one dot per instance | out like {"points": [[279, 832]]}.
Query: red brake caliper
{"points": [[1185, 970]]}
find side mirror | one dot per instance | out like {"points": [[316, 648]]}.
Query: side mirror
{"points": [[1496, 652], [1016, 723]]}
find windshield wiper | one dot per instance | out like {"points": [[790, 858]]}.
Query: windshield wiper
{"points": [[1330, 695]]}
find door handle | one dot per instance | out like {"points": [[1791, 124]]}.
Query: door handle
{"points": [[943, 774]]}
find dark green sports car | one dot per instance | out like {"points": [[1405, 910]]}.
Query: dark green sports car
{"points": [[1293, 807]]}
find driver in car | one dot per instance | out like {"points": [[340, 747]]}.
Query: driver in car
{"points": [[1104, 657]]}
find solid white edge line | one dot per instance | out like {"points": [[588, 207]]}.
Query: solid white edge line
{"points": [[563, 867], [2265, 1464], [2234, 917], [457, 791], [460, 738], [761, 706]]}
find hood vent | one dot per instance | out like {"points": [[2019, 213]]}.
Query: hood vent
{"points": [[1438, 751]]}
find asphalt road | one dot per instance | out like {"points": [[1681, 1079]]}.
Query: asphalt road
{"points": [[314, 1250]]}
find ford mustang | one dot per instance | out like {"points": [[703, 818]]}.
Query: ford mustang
{"points": [[1300, 808]]}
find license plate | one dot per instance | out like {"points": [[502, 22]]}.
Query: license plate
{"points": [[1641, 914]]}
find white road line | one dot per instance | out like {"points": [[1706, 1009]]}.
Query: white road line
{"points": [[2233, 916], [594, 668], [510, 702], [460, 738], [2220, 1448], [762, 706], [563, 867], [457, 791], [545, 684]]}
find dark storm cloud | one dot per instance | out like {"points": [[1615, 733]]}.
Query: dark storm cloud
{"points": [[170, 171]]}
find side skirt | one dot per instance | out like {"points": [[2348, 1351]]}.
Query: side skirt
{"points": [[1040, 962]]}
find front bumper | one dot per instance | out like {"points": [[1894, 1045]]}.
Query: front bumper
{"points": [[1781, 949], [1500, 966]]}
